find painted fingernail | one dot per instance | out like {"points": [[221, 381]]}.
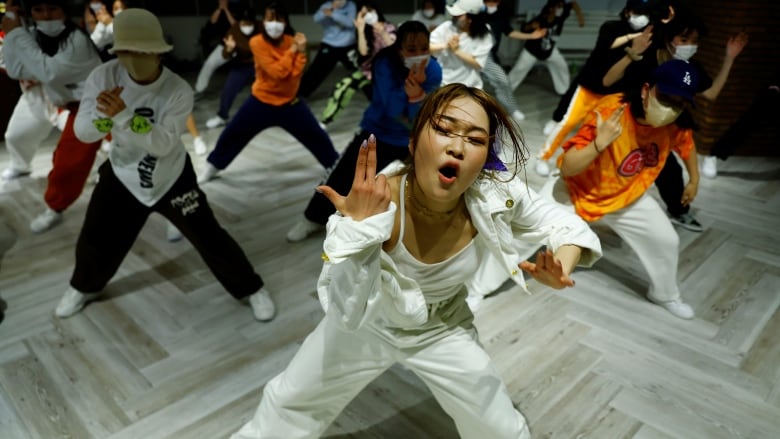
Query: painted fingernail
{"points": [[372, 138], [364, 144]]}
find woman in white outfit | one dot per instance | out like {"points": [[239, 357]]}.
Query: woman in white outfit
{"points": [[397, 256]]}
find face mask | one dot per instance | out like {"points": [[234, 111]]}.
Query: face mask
{"points": [[638, 21], [247, 30], [274, 29], [429, 12], [140, 66], [491, 9], [411, 61], [50, 28], [371, 18], [685, 52], [117, 12], [338, 3], [95, 6], [658, 115]]}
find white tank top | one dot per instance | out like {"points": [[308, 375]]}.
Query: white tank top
{"points": [[438, 281]]}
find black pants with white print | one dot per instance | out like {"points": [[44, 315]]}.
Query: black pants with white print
{"points": [[115, 217]]}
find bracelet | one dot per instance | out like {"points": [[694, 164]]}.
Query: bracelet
{"points": [[633, 55], [597, 147]]}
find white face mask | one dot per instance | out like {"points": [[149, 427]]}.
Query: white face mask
{"points": [[247, 30], [638, 21], [371, 18], [685, 52], [140, 66], [411, 61], [274, 29], [429, 12], [657, 114], [95, 6], [50, 28], [491, 9]]}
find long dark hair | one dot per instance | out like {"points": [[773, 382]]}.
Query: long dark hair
{"points": [[479, 25], [393, 51], [281, 12], [368, 31], [51, 45], [501, 129]]}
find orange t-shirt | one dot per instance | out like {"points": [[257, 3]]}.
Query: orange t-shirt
{"points": [[627, 167], [277, 70]]}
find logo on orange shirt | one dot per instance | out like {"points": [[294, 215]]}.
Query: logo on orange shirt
{"points": [[638, 159]]}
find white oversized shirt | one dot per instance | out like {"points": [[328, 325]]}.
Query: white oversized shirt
{"points": [[61, 75], [454, 69], [149, 163]]}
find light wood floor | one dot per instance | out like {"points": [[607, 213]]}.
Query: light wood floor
{"points": [[168, 354]]}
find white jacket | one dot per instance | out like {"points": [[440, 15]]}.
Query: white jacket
{"points": [[361, 284]]}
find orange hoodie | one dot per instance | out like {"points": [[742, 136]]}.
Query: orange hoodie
{"points": [[278, 70]]}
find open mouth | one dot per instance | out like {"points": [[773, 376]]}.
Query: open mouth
{"points": [[447, 174]]}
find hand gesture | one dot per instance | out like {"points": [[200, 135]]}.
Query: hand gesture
{"points": [[12, 18], [454, 42], [370, 193], [643, 41], [538, 33], [230, 42], [103, 16], [222, 4], [327, 11], [608, 130], [109, 102], [735, 44], [415, 80], [360, 19], [547, 270], [689, 193], [300, 41]]}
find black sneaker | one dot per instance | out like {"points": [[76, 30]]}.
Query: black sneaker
{"points": [[687, 221]]}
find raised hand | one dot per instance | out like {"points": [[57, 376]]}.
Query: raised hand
{"points": [[735, 44], [415, 80], [300, 42], [370, 193], [547, 270], [643, 41], [608, 130], [109, 102]]}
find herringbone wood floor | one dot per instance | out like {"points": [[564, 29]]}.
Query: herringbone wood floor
{"points": [[167, 354]]}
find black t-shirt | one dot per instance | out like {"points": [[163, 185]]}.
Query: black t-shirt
{"points": [[499, 25], [603, 57], [542, 48]]}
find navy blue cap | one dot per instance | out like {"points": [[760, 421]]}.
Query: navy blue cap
{"points": [[677, 78]]}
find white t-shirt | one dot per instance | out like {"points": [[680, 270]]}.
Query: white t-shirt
{"points": [[429, 22], [453, 68], [147, 163]]}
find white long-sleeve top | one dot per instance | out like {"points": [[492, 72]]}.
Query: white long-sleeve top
{"points": [[454, 69], [103, 35], [147, 163], [61, 75], [361, 284]]}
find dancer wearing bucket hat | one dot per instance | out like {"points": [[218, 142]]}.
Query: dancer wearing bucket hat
{"points": [[58, 56], [145, 107]]}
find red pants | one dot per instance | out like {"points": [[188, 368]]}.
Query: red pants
{"points": [[72, 161]]}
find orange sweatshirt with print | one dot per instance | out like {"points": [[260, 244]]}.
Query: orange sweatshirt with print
{"points": [[278, 71], [627, 167]]}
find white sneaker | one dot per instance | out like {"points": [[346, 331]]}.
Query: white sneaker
{"points": [[72, 302], [106, 146], [303, 229], [215, 122], [542, 168], [45, 221], [208, 173], [677, 307], [172, 233], [709, 166], [518, 116], [199, 146], [13, 173], [262, 306], [549, 127]]}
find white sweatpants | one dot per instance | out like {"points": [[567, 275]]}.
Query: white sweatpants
{"points": [[556, 64], [212, 63], [644, 226], [30, 124], [332, 366]]}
